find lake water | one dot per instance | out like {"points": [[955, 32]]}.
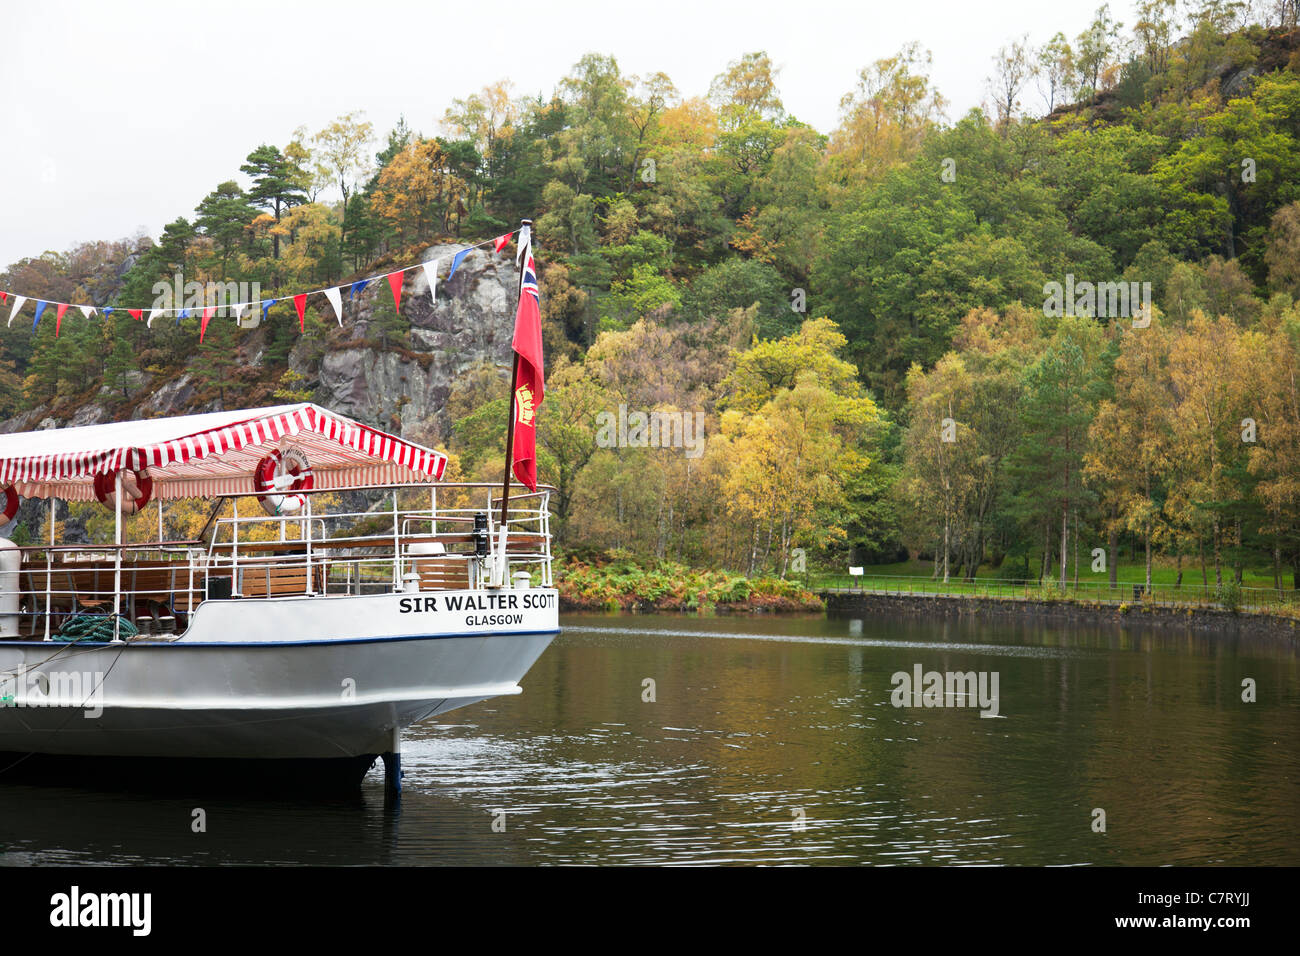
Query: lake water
{"points": [[774, 740]]}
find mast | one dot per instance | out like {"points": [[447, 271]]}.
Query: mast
{"points": [[525, 235]]}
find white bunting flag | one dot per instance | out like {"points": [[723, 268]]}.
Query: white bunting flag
{"points": [[525, 237], [87, 310], [153, 314], [431, 273], [336, 300], [238, 310], [18, 304]]}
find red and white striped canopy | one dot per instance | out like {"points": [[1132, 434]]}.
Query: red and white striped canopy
{"points": [[214, 454]]}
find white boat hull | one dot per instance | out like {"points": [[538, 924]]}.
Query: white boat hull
{"points": [[304, 677]]}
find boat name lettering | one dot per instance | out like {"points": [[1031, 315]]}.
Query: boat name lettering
{"points": [[494, 620], [482, 602], [407, 605]]}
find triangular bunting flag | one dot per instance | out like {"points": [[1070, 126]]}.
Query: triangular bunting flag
{"points": [[238, 310], [300, 303], [108, 310], [58, 317], [358, 287], [395, 283], [87, 310], [18, 304], [266, 305], [136, 313], [336, 300], [455, 263], [431, 273], [153, 314], [207, 317], [40, 307], [4, 297], [499, 242], [525, 241], [182, 314]]}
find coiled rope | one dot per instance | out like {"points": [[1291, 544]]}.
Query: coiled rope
{"points": [[94, 629]]}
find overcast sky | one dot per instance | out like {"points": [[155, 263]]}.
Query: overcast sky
{"points": [[121, 117]]}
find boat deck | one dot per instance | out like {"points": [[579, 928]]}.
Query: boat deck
{"points": [[259, 557]]}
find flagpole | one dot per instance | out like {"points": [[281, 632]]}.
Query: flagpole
{"points": [[514, 383]]}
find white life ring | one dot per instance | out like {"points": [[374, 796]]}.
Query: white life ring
{"points": [[286, 470]]}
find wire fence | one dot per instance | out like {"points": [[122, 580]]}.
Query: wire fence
{"points": [[1230, 595]]}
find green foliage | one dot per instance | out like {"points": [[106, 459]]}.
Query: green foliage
{"points": [[616, 582]]}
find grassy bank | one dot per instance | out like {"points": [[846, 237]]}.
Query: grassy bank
{"points": [[601, 584], [1255, 593]]}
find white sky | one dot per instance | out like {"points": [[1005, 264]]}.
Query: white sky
{"points": [[121, 117]]}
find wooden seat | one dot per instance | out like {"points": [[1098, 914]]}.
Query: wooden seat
{"points": [[278, 580], [272, 580], [442, 573]]}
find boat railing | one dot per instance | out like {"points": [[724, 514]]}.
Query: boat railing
{"points": [[51, 587], [452, 543], [455, 542]]}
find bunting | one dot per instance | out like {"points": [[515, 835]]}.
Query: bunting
{"points": [[18, 304], [395, 283], [333, 295], [431, 273], [336, 300], [457, 260], [207, 317]]}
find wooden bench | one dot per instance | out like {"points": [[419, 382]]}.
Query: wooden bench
{"points": [[277, 580], [156, 590], [442, 573]]}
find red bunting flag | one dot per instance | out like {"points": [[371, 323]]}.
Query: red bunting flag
{"points": [[529, 373], [207, 317], [4, 297], [499, 242], [136, 313], [395, 283], [300, 303], [58, 317]]}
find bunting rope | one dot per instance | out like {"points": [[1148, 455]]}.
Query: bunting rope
{"points": [[333, 295]]}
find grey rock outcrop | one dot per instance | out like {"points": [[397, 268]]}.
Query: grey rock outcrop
{"points": [[405, 386]]}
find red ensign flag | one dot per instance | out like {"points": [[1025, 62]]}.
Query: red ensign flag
{"points": [[528, 386]]}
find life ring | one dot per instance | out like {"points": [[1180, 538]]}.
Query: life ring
{"points": [[281, 471], [11, 505], [137, 489]]}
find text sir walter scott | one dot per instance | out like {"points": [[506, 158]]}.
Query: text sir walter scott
{"points": [[479, 602]]}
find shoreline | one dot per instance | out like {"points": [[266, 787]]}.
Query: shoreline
{"points": [[844, 604]]}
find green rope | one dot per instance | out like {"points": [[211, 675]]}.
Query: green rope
{"points": [[94, 629]]}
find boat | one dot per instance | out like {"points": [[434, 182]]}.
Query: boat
{"points": [[337, 593]]}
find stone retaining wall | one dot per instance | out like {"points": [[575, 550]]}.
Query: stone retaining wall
{"points": [[1192, 619]]}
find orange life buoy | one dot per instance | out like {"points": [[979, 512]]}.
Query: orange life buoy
{"points": [[282, 471], [137, 489], [11, 504]]}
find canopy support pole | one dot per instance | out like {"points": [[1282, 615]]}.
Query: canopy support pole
{"points": [[117, 557], [49, 570]]}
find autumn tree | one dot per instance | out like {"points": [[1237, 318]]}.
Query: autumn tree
{"points": [[342, 151], [277, 185]]}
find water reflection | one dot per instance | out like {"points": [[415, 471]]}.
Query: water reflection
{"points": [[773, 740]]}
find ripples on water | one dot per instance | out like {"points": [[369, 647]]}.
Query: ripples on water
{"points": [[773, 740]]}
